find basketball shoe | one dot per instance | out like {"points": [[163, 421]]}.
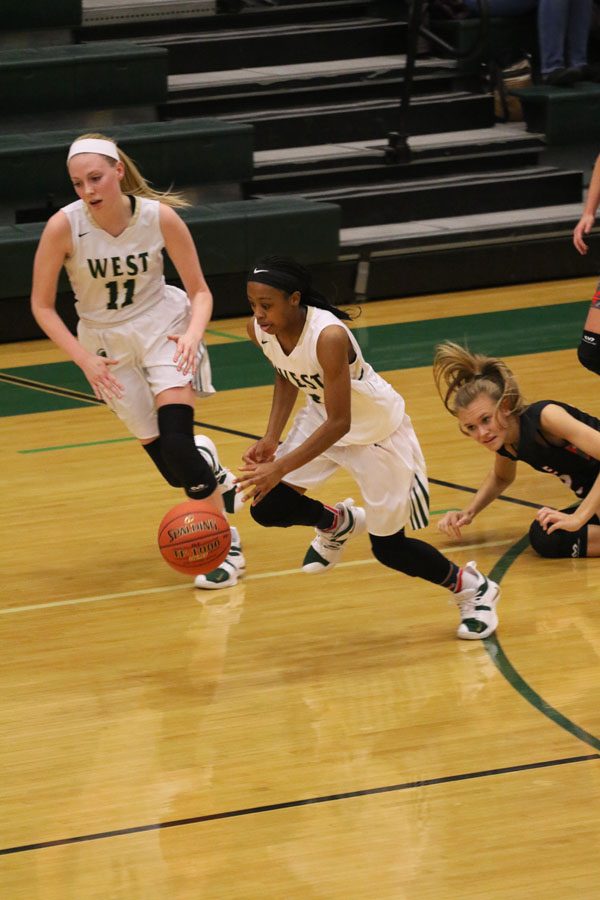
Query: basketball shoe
{"points": [[231, 569], [326, 549], [232, 500], [477, 606]]}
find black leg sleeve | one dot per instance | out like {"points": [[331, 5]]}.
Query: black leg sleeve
{"points": [[588, 352], [154, 452], [411, 556], [180, 454], [283, 507], [560, 544]]}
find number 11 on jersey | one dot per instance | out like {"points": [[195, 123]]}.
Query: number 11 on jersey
{"points": [[113, 293]]}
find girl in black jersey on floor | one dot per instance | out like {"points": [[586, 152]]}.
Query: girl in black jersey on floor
{"points": [[549, 435]]}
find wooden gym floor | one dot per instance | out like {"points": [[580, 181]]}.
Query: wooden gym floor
{"points": [[294, 737]]}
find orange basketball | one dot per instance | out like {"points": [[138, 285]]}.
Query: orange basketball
{"points": [[194, 538]]}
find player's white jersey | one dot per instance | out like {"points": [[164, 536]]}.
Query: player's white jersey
{"points": [[115, 278], [377, 409]]}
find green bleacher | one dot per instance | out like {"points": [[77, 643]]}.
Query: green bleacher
{"points": [[27, 14], [562, 115], [204, 151], [54, 89], [229, 236], [82, 76]]}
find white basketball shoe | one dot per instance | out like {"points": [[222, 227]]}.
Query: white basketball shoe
{"points": [[232, 499], [326, 549], [229, 572], [477, 607]]}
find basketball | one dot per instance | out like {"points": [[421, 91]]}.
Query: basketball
{"points": [[194, 538]]}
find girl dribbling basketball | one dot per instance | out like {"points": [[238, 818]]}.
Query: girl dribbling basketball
{"points": [[352, 419], [139, 340]]}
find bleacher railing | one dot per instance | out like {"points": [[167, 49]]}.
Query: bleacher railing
{"points": [[398, 149]]}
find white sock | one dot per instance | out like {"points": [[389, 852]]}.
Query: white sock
{"points": [[468, 580]]}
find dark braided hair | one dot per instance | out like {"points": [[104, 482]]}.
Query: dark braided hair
{"points": [[288, 275]]}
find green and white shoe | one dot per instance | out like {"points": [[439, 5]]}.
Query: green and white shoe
{"points": [[232, 499], [229, 572], [477, 607], [326, 549]]}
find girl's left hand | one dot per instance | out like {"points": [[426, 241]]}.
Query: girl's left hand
{"points": [[186, 354], [258, 479], [552, 519]]}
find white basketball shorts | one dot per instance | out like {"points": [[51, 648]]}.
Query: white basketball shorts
{"points": [[391, 473], [144, 357]]}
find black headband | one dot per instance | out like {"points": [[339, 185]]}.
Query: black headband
{"points": [[274, 278]]}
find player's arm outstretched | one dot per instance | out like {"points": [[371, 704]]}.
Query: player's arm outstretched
{"points": [[180, 246], [282, 403], [500, 477], [588, 217], [332, 351], [53, 248], [558, 423]]}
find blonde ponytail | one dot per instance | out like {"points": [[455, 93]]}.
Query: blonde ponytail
{"points": [[134, 182], [460, 376]]}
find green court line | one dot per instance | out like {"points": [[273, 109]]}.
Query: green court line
{"points": [[508, 671], [225, 334], [77, 446], [387, 347], [73, 379]]}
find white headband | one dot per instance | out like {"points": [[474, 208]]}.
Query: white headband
{"points": [[94, 145]]}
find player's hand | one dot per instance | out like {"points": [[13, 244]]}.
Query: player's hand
{"points": [[452, 522], [584, 226], [97, 371], [553, 519], [257, 479], [186, 352], [261, 452]]}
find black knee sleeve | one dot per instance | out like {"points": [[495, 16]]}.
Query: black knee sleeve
{"points": [[180, 454], [155, 453], [559, 544], [283, 507], [588, 352], [411, 556]]}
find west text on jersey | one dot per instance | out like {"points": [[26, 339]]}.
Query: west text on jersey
{"points": [[111, 266], [304, 382]]}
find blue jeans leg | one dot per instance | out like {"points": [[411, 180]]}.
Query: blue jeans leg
{"points": [[578, 32], [503, 7], [564, 29], [552, 32]]}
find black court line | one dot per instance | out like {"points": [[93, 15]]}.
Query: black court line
{"points": [[292, 804], [90, 398], [470, 490], [235, 431], [49, 388]]}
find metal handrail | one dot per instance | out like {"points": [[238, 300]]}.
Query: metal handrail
{"points": [[398, 150]]}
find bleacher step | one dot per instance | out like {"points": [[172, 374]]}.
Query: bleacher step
{"points": [[493, 191], [360, 162], [231, 14], [477, 229], [335, 80], [457, 253], [450, 142], [301, 43], [121, 12], [372, 119]]}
